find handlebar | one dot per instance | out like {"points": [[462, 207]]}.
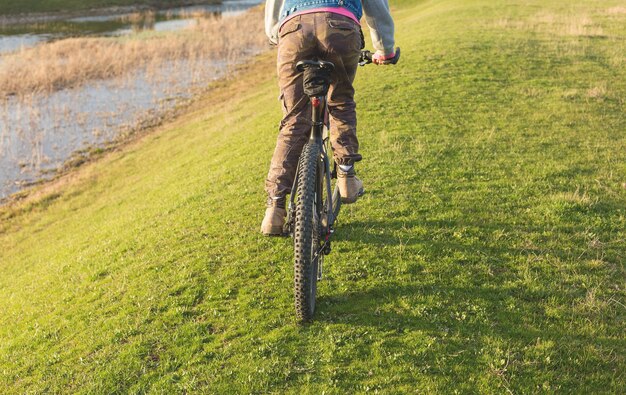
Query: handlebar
{"points": [[366, 57]]}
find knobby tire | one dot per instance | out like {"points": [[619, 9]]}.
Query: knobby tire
{"points": [[307, 231]]}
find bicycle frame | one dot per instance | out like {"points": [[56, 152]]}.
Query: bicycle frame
{"points": [[318, 115]]}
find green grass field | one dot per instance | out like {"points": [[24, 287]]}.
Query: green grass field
{"points": [[8, 7], [486, 257]]}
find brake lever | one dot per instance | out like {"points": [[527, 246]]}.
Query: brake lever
{"points": [[365, 58]]}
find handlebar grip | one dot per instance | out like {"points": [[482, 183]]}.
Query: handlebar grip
{"points": [[367, 57]]}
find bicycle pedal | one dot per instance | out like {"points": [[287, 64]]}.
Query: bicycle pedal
{"points": [[327, 248]]}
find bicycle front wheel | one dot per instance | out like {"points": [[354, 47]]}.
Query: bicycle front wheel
{"points": [[307, 230]]}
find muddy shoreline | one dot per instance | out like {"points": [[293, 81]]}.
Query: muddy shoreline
{"points": [[45, 17]]}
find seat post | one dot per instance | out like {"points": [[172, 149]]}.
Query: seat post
{"points": [[316, 82]]}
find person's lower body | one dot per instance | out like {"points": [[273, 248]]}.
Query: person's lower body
{"points": [[330, 37]]}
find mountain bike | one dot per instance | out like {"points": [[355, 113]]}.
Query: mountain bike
{"points": [[314, 205]]}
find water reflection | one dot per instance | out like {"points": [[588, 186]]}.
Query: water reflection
{"points": [[38, 133], [20, 41]]}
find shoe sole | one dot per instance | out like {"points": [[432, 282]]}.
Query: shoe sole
{"points": [[274, 232], [354, 199]]}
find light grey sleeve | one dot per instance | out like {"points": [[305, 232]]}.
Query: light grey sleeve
{"points": [[378, 18], [272, 14]]}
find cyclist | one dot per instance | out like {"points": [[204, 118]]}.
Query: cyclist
{"points": [[329, 30]]}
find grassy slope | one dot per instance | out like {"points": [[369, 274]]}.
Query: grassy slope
{"points": [[8, 7], [488, 253]]}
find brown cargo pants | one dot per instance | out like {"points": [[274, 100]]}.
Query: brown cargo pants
{"points": [[325, 36]]}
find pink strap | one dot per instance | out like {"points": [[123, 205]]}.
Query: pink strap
{"points": [[332, 10], [379, 56]]}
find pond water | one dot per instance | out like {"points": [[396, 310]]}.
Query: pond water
{"points": [[14, 37], [40, 132]]}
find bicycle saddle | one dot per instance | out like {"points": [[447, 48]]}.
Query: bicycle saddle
{"points": [[317, 64]]}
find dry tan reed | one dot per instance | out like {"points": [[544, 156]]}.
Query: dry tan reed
{"points": [[139, 17], [189, 14], [75, 61]]}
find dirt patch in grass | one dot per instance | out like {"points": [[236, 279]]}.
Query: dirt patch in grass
{"points": [[557, 24]]}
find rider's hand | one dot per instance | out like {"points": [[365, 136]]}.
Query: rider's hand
{"points": [[380, 58]]}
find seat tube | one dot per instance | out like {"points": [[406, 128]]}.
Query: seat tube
{"points": [[318, 107]]}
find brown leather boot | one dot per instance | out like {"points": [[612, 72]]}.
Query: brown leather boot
{"points": [[350, 187], [274, 220]]}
